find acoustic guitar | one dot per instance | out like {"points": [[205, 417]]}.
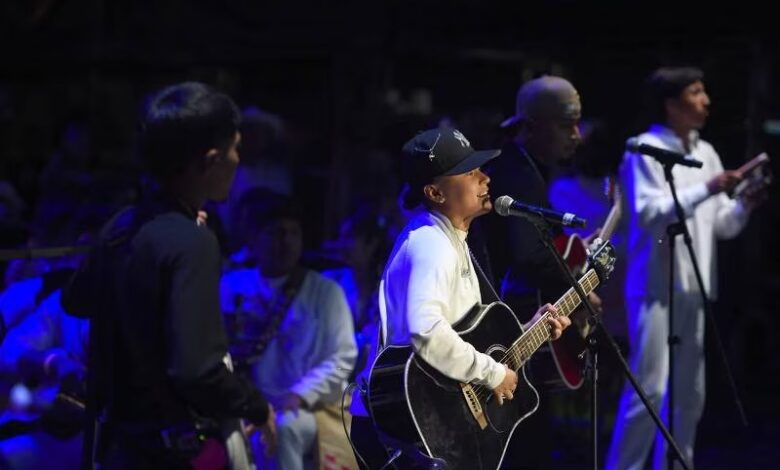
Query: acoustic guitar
{"points": [[428, 420]]}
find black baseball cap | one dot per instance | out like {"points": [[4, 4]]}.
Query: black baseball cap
{"points": [[438, 152], [441, 152]]}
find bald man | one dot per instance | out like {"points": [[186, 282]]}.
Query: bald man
{"points": [[542, 133]]}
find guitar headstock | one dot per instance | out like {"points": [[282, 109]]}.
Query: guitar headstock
{"points": [[602, 258], [612, 192], [611, 189]]}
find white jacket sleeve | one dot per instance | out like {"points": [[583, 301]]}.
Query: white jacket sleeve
{"points": [[731, 215], [433, 338], [649, 196]]}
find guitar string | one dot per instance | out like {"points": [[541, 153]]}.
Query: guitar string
{"points": [[524, 351], [521, 346], [517, 348]]}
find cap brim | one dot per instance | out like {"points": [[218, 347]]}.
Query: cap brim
{"points": [[509, 122], [473, 161]]}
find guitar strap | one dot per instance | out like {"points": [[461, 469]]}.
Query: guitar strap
{"points": [[276, 313], [280, 308], [485, 281]]}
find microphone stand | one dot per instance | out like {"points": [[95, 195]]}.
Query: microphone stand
{"points": [[672, 231], [592, 373], [545, 234]]}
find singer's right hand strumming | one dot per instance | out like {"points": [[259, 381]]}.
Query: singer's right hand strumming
{"points": [[506, 389]]}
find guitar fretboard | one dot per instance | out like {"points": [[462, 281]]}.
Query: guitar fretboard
{"points": [[522, 349]]}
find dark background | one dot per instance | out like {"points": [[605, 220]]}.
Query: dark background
{"points": [[354, 81]]}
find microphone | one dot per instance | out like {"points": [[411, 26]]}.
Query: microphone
{"points": [[667, 157], [505, 205]]}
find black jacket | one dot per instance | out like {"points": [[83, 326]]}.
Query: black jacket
{"points": [[151, 288], [519, 261]]}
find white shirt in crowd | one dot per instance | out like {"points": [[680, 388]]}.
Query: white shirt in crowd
{"points": [[314, 350]]}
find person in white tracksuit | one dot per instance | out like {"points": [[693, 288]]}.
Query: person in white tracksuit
{"points": [[681, 109]]}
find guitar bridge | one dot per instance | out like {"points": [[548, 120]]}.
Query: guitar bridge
{"points": [[474, 405]]}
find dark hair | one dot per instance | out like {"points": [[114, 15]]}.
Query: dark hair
{"points": [[181, 123], [665, 83], [259, 207]]}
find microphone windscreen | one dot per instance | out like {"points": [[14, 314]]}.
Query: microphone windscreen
{"points": [[502, 205]]}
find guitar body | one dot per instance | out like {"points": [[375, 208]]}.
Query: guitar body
{"points": [[427, 416], [427, 420], [566, 352], [574, 251]]}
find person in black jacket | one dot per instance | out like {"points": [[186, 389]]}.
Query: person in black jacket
{"points": [[161, 383], [543, 132]]}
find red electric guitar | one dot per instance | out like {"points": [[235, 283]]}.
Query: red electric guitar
{"points": [[567, 352]]}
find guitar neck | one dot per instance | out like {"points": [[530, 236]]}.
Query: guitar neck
{"points": [[539, 333], [611, 223]]}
